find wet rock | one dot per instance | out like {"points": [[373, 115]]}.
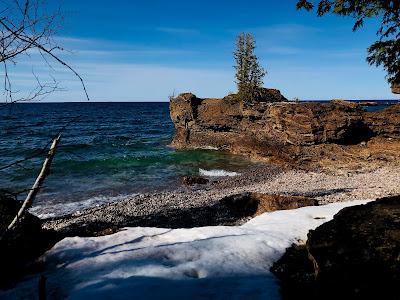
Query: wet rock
{"points": [[193, 180]]}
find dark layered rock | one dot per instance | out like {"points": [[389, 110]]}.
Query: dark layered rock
{"points": [[253, 204], [354, 256], [282, 132], [270, 95]]}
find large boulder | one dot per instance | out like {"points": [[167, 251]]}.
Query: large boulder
{"points": [[358, 253], [270, 95], [354, 256]]}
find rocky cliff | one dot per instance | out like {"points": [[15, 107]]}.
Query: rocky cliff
{"points": [[284, 132]]}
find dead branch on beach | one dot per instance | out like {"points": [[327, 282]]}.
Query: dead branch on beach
{"points": [[36, 186]]}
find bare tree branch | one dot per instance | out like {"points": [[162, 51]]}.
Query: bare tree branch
{"points": [[26, 28]]}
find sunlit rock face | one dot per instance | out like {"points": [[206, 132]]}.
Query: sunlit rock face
{"points": [[280, 131], [282, 122], [396, 88]]}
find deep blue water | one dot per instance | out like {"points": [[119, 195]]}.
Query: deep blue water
{"points": [[382, 104], [110, 150]]}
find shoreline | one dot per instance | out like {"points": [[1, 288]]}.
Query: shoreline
{"points": [[201, 205]]}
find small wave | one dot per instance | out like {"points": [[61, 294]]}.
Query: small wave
{"points": [[217, 173], [60, 209]]}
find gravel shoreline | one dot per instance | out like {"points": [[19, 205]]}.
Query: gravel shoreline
{"points": [[200, 205]]}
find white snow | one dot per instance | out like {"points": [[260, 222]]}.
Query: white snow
{"points": [[200, 263], [217, 173]]}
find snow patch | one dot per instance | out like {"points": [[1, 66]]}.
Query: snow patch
{"points": [[216, 262]]}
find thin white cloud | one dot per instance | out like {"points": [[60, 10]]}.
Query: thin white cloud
{"points": [[289, 29], [108, 79], [176, 30], [281, 30], [92, 49]]}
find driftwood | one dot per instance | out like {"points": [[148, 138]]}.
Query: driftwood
{"points": [[36, 186]]}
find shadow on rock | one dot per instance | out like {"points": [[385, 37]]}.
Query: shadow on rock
{"points": [[354, 256]]}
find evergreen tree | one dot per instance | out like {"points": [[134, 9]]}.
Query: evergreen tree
{"points": [[386, 51], [249, 73]]}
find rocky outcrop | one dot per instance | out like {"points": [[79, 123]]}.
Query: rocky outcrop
{"points": [[354, 256], [385, 123], [282, 132]]}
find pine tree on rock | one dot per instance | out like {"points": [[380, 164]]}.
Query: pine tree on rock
{"points": [[249, 73]]}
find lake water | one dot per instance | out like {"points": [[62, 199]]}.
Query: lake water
{"points": [[107, 151]]}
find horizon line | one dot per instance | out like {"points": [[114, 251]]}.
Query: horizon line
{"points": [[107, 101]]}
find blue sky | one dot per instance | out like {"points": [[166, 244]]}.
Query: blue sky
{"points": [[148, 50]]}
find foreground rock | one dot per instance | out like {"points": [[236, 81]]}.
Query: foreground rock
{"points": [[23, 245], [354, 256], [287, 133]]}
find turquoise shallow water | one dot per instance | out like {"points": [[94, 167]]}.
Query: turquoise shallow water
{"points": [[111, 150]]}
